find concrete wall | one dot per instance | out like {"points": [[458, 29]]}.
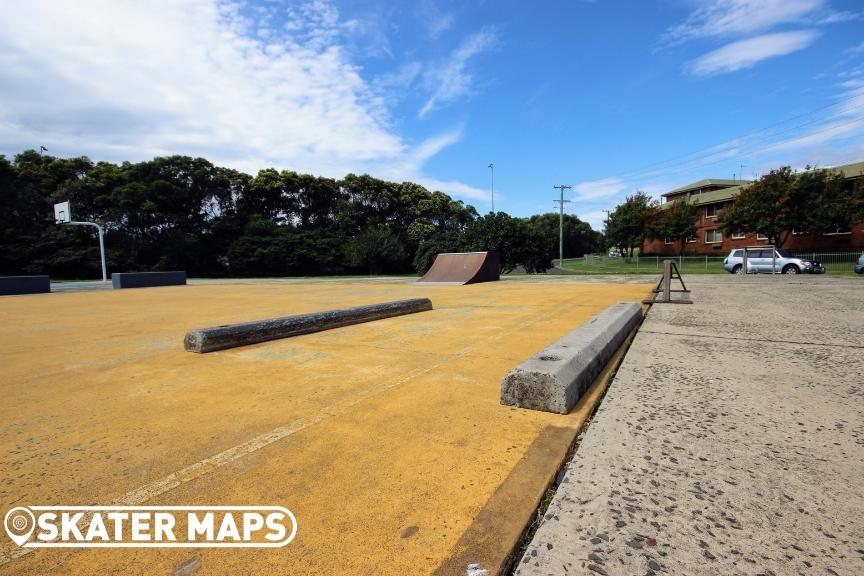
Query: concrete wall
{"points": [[10, 285], [147, 279]]}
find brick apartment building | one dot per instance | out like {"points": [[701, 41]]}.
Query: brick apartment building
{"points": [[712, 196]]}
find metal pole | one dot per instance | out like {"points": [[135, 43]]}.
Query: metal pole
{"points": [[102, 252], [561, 202], [492, 169], [561, 233], [101, 245]]}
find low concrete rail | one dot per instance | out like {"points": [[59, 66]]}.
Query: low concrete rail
{"points": [[148, 279], [555, 378], [10, 285], [233, 335]]}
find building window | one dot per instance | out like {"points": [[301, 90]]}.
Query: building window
{"points": [[761, 237], [691, 239], [738, 235], [838, 231], [713, 210], [667, 240], [713, 237]]}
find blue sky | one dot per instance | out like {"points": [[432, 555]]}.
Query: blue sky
{"points": [[607, 96]]}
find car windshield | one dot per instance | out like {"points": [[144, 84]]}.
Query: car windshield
{"points": [[784, 253]]}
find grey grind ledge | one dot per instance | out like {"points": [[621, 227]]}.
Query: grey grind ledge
{"points": [[555, 378], [11, 285], [243, 334], [148, 279]]}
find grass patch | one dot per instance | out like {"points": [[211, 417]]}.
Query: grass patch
{"points": [[655, 267]]}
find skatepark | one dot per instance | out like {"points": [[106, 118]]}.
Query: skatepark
{"points": [[387, 439], [729, 441]]}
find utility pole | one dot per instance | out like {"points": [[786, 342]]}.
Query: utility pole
{"points": [[561, 202], [741, 172], [492, 168]]}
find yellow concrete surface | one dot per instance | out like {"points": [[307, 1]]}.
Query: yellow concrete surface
{"points": [[385, 439]]}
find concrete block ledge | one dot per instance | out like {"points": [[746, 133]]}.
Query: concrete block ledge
{"points": [[10, 285], [555, 378], [148, 279], [243, 334]]}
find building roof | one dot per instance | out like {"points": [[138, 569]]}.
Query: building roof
{"points": [[854, 170], [732, 187], [705, 184], [711, 197]]}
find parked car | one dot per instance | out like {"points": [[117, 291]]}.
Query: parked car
{"points": [[615, 253], [759, 260], [859, 266]]}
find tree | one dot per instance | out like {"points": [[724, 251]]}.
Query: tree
{"points": [[533, 252], [763, 207], [496, 231], [677, 222], [579, 238], [821, 202], [375, 249], [782, 201], [431, 246], [627, 225]]}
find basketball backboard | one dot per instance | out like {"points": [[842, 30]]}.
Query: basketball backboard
{"points": [[62, 213]]}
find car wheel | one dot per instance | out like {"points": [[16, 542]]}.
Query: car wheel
{"points": [[738, 269], [791, 269]]}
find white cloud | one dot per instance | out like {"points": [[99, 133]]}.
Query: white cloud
{"points": [[597, 189], [451, 79], [855, 50], [846, 124], [828, 133], [409, 165], [595, 218], [834, 135], [749, 22], [836, 17], [435, 20], [723, 18], [237, 85], [460, 190], [747, 53]]}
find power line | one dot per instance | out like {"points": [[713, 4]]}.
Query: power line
{"points": [[750, 140]]}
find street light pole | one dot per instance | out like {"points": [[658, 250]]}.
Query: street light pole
{"points": [[492, 169]]}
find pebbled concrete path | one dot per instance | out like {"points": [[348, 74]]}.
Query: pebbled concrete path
{"points": [[730, 442]]}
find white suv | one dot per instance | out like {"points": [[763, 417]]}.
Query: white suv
{"points": [[759, 260]]}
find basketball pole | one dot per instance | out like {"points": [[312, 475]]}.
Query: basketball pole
{"points": [[63, 215], [101, 244]]}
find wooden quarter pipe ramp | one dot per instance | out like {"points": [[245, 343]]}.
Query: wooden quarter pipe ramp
{"points": [[462, 268]]}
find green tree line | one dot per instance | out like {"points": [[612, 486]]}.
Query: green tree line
{"points": [[183, 213]]}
